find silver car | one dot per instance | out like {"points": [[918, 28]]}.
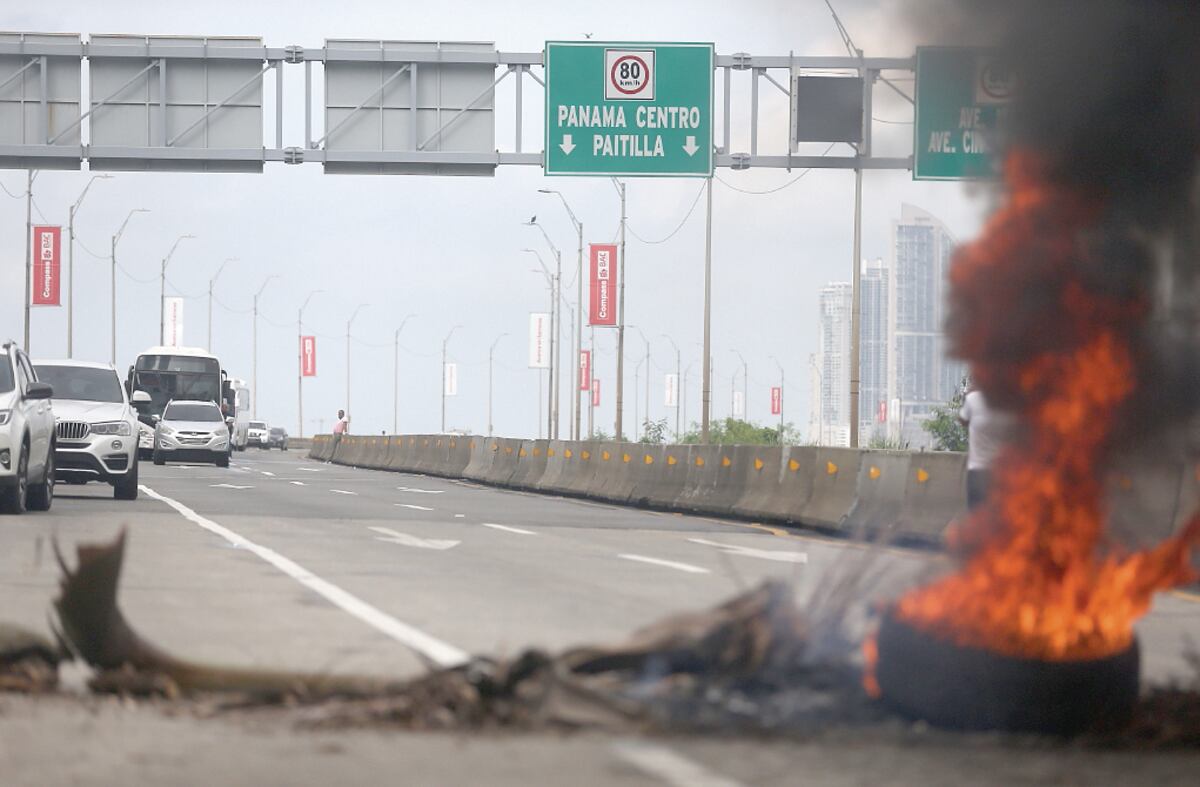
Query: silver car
{"points": [[191, 432], [95, 424], [26, 435]]}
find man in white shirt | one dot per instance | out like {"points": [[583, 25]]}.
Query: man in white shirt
{"points": [[987, 432]]}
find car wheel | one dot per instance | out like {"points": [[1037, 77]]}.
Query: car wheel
{"points": [[158, 457], [223, 460], [41, 496], [127, 487], [13, 501]]}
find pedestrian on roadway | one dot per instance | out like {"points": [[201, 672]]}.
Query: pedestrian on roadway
{"points": [[987, 432], [339, 428]]}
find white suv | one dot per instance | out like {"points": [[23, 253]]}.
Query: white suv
{"points": [[258, 434], [192, 431], [96, 425], [26, 435]]}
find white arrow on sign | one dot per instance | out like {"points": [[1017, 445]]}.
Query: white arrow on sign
{"points": [[690, 147], [762, 554], [229, 486], [392, 537], [567, 145]]}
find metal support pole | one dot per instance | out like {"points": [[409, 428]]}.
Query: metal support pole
{"points": [[550, 413], [113, 292], [299, 371], [557, 341], [591, 373], [856, 286], [621, 324], [254, 363], [396, 384], [28, 248], [678, 392], [578, 333], [706, 393], [71, 282]]}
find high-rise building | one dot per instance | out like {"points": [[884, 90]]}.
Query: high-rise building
{"points": [[920, 376], [833, 365], [875, 333]]}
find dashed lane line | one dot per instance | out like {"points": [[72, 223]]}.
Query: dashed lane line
{"points": [[669, 766], [413, 507], [432, 648], [688, 567], [297, 483], [761, 554], [508, 529], [342, 492]]}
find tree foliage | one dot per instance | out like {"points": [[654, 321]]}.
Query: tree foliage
{"points": [[948, 432], [734, 431]]}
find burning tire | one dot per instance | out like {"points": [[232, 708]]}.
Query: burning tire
{"points": [[936, 681]]}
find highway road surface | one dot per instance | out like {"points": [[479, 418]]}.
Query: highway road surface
{"points": [[280, 561]]}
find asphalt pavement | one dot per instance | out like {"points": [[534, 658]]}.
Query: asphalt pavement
{"points": [[280, 561]]}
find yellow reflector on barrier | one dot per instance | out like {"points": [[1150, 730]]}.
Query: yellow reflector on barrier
{"points": [[793, 465], [425, 444], [521, 452], [605, 456], [831, 468], [567, 453], [875, 472], [495, 446], [671, 460], [758, 464], [699, 461], [439, 443], [726, 461], [549, 452], [537, 452], [586, 455], [922, 475], [625, 458], [508, 449], [453, 444], [649, 459]]}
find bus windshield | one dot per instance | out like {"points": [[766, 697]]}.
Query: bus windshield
{"points": [[167, 377]]}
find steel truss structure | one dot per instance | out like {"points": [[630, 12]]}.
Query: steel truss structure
{"points": [[390, 107]]}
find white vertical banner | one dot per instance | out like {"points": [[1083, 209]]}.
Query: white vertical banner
{"points": [[172, 321], [671, 391], [539, 340], [450, 378], [739, 405]]}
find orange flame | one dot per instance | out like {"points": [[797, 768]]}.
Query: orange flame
{"points": [[1039, 586]]}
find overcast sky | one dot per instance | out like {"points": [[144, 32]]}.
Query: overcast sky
{"points": [[449, 249]]}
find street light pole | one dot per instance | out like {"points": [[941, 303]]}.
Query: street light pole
{"points": [[578, 321], [254, 350], [396, 375], [491, 353], [647, 360], [28, 251], [555, 332], [349, 323], [299, 365], [211, 283], [162, 288], [706, 391], [745, 387], [113, 257], [445, 342], [71, 264], [620, 187]]}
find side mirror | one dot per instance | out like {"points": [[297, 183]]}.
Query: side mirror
{"points": [[229, 420], [140, 397], [39, 391], [154, 419]]}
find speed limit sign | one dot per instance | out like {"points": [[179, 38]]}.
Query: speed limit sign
{"points": [[629, 74]]}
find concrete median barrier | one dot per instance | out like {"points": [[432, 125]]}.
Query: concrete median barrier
{"points": [[935, 494], [879, 493], [793, 487], [550, 481], [580, 469], [761, 481], [834, 487], [531, 464], [504, 464], [662, 476], [482, 455]]}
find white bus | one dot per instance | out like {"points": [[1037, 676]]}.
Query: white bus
{"points": [[241, 413], [167, 373]]}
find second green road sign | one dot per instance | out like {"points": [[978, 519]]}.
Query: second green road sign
{"points": [[629, 109]]}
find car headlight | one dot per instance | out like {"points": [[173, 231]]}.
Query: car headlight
{"points": [[4, 416], [167, 430], [120, 428], [220, 433]]}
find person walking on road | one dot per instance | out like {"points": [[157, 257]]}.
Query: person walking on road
{"points": [[987, 432], [339, 428]]}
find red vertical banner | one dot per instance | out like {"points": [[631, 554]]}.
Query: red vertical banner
{"points": [[585, 370], [776, 400], [881, 412], [47, 265], [602, 309], [595, 392], [308, 356]]}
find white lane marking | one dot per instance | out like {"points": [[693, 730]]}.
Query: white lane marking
{"points": [[310, 469], [342, 492], [510, 529], [404, 539], [414, 508], [440, 652], [420, 491], [267, 472], [688, 567], [762, 554], [297, 483], [229, 486], [669, 766], [460, 516]]}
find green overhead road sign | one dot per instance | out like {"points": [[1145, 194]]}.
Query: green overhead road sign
{"points": [[629, 109], [961, 94]]}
